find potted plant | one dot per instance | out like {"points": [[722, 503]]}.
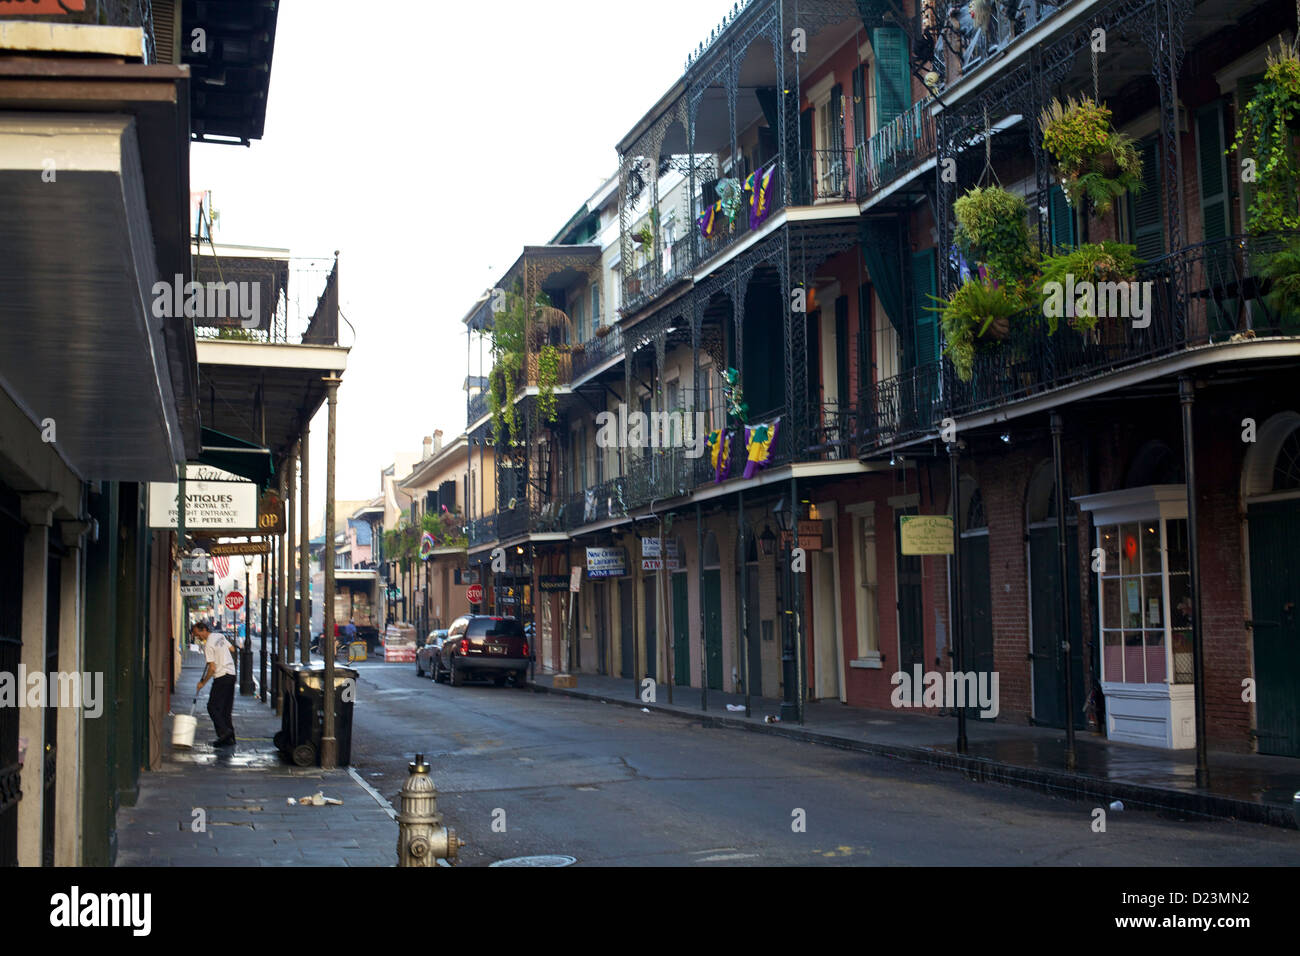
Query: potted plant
{"points": [[1095, 161], [1281, 287], [602, 331], [644, 236], [1090, 262], [1266, 130], [977, 317], [991, 230]]}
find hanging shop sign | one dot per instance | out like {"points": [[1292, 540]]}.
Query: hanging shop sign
{"points": [[270, 515], [652, 557], [240, 548], [606, 562], [925, 534], [575, 579], [209, 505]]}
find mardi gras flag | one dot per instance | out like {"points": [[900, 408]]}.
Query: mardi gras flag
{"points": [[426, 546], [759, 187], [719, 455], [760, 444], [709, 220]]}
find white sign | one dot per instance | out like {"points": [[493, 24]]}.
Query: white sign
{"points": [[208, 504], [195, 472], [652, 559], [198, 590], [575, 579], [606, 563]]}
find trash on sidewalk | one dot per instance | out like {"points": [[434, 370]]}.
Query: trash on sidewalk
{"points": [[771, 719], [1117, 805], [735, 707], [317, 799], [645, 710]]}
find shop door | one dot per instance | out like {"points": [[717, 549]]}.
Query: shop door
{"points": [[911, 631], [754, 646], [627, 622], [1275, 626], [681, 633], [1045, 626], [713, 627], [650, 594], [976, 608]]}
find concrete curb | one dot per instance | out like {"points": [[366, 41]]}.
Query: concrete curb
{"points": [[1055, 782]]}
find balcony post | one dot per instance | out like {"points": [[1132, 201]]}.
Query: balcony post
{"points": [[288, 641], [954, 604], [304, 558], [1186, 396], [1063, 565], [743, 596]]}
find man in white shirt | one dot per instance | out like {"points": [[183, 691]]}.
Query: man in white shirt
{"points": [[220, 670]]}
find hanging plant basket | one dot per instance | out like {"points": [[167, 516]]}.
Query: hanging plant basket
{"points": [[1094, 160], [998, 329]]}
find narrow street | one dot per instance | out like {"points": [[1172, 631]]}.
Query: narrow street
{"points": [[611, 785]]}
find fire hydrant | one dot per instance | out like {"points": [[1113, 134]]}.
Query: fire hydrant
{"points": [[421, 837]]}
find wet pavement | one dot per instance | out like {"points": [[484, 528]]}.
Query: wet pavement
{"points": [[1251, 787], [229, 806]]}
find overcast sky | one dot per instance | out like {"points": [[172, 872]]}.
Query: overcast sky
{"points": [[428, 143]]}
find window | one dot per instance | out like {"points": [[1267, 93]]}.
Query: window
{"points": [[1146, 602], [595, 305], [867, 590], [579, 322]]}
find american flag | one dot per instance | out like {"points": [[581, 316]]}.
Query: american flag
{"points": [[221, 564]]}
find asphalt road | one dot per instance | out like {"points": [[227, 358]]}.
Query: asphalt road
{"points": [[521, 773]]}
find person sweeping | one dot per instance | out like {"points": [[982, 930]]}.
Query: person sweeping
{"points": [[220, 670]]}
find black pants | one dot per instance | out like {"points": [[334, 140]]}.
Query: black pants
{"points": [[221, 705]]}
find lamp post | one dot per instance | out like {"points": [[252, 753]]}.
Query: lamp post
{"points": [[789, 676]]}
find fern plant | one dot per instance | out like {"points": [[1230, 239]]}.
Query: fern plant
{"points": [[1265, 137]]}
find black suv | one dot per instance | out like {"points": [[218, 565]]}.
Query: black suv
{"points": [[483, 647]]}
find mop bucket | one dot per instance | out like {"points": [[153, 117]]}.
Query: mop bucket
{"points": [[183, 727]]}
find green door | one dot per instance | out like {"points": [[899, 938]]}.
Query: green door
{"points": [[1274, 600], [911, 631], [976, 608], [713, 626], [754, 646], [651, 601], [1045, 623], [681, 633]]}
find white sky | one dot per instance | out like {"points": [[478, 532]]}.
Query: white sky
{"points": [[428, 142]]}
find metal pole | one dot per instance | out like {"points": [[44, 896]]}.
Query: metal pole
{"points": [[1186, 396], [288, 642], [743, 598], [798, 615], [304, 557], [665, 624], [261, 594], [955, 608], [246, 654], [1058, 429], [328, 743], [704, 649], [636, 618]]}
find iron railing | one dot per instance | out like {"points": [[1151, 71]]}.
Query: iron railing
{"points": [[597, 350], [654, 474], [652, 278], [833, 433], [826, 175], [896, 148], [477, 408], [729, 232], [606, 499], [482, 530], [1209, 293], [705, 473]]}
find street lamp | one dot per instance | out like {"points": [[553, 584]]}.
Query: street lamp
{"points": [[768, 541]]}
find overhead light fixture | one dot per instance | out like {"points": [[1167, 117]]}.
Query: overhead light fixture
{"points": [[768, 540], [1006, 438]]}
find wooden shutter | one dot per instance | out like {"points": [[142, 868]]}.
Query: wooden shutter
{"points": [[1062, 218], [859, 105], [1212, 166], [842, 349], [1145, 209], [837, 118], [926, 323], [893, 77]]}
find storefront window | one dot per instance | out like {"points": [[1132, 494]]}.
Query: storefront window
{"points": [[1145, 602]]}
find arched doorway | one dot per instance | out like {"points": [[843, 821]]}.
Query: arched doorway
{"points": [[1271, 489], [976, 600], [711, 579], [1045, 637]]}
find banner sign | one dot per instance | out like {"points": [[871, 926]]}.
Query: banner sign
{"points": [[606, 562], [652, 559], [208, 504], [552, 582], [240, 547], [925, 534]]}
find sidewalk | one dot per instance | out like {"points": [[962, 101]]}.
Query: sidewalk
{"points": [[243, 793], [1247, 787]]}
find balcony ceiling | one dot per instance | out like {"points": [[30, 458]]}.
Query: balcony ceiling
{"points": [[232, 77], [77, 268]]}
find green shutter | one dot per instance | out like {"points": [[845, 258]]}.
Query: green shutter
{"points": [[1213, 172], [859, 105], [1145, 208], [1062, 218], [893, 76], [925, 322]]}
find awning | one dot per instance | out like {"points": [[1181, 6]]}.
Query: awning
{"points": [[237, 456]]}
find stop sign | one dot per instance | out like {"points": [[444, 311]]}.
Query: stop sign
{"points": [[234, 600], [474, 593]]}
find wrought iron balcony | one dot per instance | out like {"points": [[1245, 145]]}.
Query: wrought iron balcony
{"points": [[652, 278], [894, 149], [834, 432], [478, 407], [606, 499], [825, 175], [1207, 294], [482, 530], [728, 232], [655, 474], [705, 474], [597, 350]]}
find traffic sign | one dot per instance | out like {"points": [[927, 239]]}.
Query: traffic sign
{"points": [[474, 593], [234, 600]]}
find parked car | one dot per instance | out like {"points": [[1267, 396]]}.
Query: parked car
{"points": [[427, 651], [479, 646]]}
